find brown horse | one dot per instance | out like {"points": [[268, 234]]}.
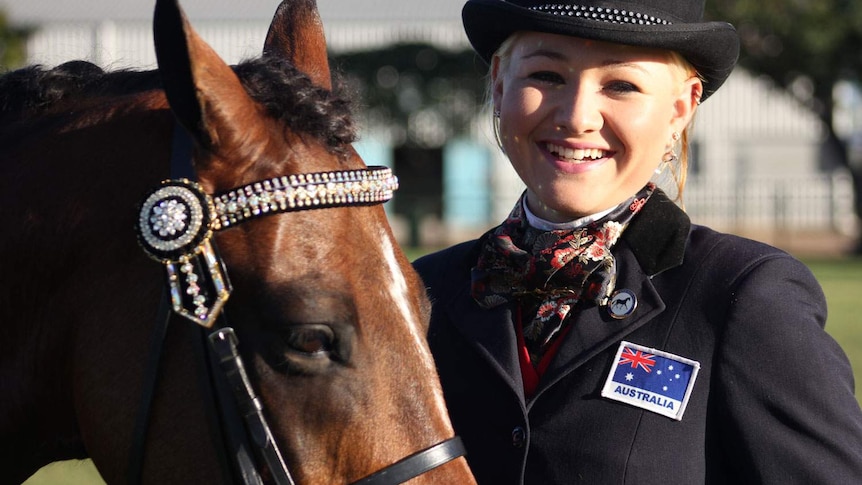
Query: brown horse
{"points": [[329, 315]]}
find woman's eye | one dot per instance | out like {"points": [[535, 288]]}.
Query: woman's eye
{"points": [[621, 87], [547, 77]]}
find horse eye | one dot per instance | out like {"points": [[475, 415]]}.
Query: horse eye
{"points": [[308, 348], [310, 339]]}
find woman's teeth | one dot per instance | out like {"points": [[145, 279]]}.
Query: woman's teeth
{"points": [[576, 154]]}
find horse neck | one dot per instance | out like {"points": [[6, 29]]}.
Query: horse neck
{"points": [[70, 249]]}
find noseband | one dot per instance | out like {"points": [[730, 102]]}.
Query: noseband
{"points": [[175, 227]]}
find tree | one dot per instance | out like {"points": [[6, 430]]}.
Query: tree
{"points": [[807, 47], [418, 92], [12, 44]]}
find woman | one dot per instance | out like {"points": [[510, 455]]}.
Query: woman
{"points": [[597, 336]]}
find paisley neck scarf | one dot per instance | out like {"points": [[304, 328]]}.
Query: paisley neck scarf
{"points": [[549, 272]]}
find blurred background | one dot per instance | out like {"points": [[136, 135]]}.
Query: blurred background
{"points": [[777, 152]]}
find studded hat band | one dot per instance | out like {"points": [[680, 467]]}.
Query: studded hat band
{"points": [[602, 14]]}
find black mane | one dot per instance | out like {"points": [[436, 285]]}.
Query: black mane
{"points": [[286, 93]]}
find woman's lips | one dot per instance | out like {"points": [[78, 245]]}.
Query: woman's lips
{"points": [[575, 160]]}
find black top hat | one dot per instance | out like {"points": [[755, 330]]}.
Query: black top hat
{"points": [[711, 47]]}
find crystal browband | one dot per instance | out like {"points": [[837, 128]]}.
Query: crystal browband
{"points": [[175, 218], [305, 191], [602, 14], [176, 222]]}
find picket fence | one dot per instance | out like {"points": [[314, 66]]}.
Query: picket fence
{"points": [[805, 203]]}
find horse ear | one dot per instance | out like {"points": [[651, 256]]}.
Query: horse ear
{"points": [[296, 34], [203, 91]]}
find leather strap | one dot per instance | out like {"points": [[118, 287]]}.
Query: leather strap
{"points": [[417, 463], [223, 342], [236, 455], [151, 374]]}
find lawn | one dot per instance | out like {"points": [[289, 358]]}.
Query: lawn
{"points": [[841, 281]]}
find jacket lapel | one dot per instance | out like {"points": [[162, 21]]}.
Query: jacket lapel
{"points": [[491, 332], [594, 330]]}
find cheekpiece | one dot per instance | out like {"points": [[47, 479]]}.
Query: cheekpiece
{"points": [[177, 220]]}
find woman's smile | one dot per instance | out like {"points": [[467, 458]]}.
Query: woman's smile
{"points": [[574, 160]]}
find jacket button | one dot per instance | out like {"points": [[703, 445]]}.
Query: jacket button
{"points": [[519, 436]]}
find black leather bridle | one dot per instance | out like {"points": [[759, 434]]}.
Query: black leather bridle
{"points": [[175, 227]]}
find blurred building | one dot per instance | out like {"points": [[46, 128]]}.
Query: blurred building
{"points": [[761, 166]]}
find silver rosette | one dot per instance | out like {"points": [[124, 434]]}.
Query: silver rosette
{"points": [[174, 220]]}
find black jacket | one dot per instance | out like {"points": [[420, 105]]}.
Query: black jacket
{"points": [[773, 401]]}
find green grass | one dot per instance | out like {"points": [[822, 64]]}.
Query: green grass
{"points": [[841, 280], [71, 472], [842, 284]]}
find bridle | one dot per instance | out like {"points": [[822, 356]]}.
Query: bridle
{"points": [[175, 227]]}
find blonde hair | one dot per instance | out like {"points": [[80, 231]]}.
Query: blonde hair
{"points": [[679, 171]]}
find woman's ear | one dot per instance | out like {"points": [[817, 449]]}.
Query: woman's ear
{"points": [[687, 102], [496, 83]]}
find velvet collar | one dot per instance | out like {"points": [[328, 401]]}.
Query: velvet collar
{"points": [[658, 235]]}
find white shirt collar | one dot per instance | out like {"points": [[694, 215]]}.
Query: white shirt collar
{"points": [[542, 224]]}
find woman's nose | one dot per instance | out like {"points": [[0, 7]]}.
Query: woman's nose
{"points": [[578, 112]]}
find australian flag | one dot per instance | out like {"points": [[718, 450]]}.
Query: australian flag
{"points": [[651, 379]]}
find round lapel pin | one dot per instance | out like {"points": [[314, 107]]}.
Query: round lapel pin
{"points": [[622, 304]]}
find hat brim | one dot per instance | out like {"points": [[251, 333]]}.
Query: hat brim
{"points": [[711, 47]]}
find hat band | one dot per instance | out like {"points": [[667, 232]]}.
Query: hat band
{"points": [[602, 14]]}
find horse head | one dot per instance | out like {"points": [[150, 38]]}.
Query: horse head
{"points": [[329, 316], [329, 313]]}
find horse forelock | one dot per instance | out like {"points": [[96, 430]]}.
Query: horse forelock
{"points": [[285, 93], [289, 95]]}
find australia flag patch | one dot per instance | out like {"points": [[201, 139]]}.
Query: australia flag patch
{"points": [[651, 379]]}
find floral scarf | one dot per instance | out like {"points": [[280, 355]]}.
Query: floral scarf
{"points": [[549, 272]]}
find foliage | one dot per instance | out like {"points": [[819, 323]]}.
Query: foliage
{"points": [[12, 45], [421, 94], [805, 46]]}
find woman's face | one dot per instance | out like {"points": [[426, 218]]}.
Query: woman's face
{"points": [[586, 123]]}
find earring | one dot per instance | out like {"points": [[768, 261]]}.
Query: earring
{"points": [[670, 156], [496, 126]]}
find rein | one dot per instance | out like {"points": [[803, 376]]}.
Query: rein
{"points": [[175, 227]]}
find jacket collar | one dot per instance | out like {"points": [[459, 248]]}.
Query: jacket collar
{"points": [[657, 236]]}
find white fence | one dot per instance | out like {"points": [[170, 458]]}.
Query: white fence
{"points": [[129, 43], [810, 203]]}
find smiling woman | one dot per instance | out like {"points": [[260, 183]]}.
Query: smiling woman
{"points": [[597, 317], [249, 201]]}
